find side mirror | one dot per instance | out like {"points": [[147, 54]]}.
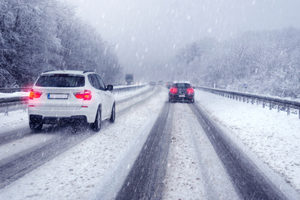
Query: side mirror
{"points": [[109, 87]]}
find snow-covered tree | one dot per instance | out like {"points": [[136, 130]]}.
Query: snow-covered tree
{"points": [[266, 62], [39, 35]]}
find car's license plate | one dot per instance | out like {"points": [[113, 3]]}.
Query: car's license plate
{"points": [[181, 95], [57, 96]]}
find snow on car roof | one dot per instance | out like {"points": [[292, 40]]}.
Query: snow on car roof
{"points": [[66, 72], [181, 82]]}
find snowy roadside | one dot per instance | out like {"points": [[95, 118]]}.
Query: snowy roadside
{"points": [[99, 163], [194, 169], [273, 137], [14, 94]]}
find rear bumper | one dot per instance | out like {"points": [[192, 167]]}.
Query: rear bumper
{"points": [[57, 120], [52, 116], [188, 98]]}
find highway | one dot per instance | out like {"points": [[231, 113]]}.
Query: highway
{"points": [[155, 150]]}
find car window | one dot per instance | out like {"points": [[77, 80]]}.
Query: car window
{"points": [[182, 85], [102, 85], [60, 80], [94, 81]]}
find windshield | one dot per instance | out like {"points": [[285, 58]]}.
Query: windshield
{"points": [[182, 85], [60, 80]]}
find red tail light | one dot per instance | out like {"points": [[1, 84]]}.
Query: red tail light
{"points": [[86, 95], [173, 90], [190, 91], [34, 94]]}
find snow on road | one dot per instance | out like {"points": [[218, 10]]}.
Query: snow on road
{"points": [[17, 147], [194, 169], [273, 137], [99, 163], [14, 120]]}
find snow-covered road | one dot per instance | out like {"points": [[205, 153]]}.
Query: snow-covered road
{"points": [[154, 150], [97, 162], [194, 169], [20, 148]]}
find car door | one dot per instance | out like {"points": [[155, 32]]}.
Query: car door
{"points": [[107, 95], [100, 97]]}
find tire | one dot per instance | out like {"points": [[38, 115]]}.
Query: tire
{"points": [[113, 114], [35, 126], [96, 126]]}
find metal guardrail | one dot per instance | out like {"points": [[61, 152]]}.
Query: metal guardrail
{"points": [[271, 102], [19, 102], [11, 90], [123, 88]]}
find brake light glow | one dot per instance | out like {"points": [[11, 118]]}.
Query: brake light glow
{"points": [[86, 95], [190, 91], [34, 94], [173, 90]]}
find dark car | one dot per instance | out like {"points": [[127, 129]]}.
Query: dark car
{"points": [[181, 92], [129, 79], [152, 83]]}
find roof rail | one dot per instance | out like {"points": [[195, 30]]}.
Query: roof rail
{"points": [[48, 71], [86, 71]]}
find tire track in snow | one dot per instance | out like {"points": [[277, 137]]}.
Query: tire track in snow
{"points": [[145, 180], [249, 181], [18, 165]]}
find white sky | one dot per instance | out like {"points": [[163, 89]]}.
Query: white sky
{"points": [[149, 32]]}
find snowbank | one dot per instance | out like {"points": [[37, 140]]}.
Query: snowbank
{"points": [[273, 137]]}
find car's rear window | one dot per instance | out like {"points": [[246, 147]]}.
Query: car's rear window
{"points": [[60, 80], [182, 85]]}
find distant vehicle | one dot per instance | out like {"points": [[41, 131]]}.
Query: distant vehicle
{"points": [[70, 96], [160, 82], [129, 79], [152, 83], [181, 91]]}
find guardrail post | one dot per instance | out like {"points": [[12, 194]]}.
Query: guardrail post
{"points": [[299, 113], [6, 111], [270, 105], [288, 110], [263, 104], [278, 108]]}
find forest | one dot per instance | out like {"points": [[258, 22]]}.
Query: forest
{"points": [[264, 62], [40, 35]]}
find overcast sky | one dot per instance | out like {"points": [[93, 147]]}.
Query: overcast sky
{"points": [[149, 32]]}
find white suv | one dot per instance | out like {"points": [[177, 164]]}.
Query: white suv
{"points": [[72, 96]]}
